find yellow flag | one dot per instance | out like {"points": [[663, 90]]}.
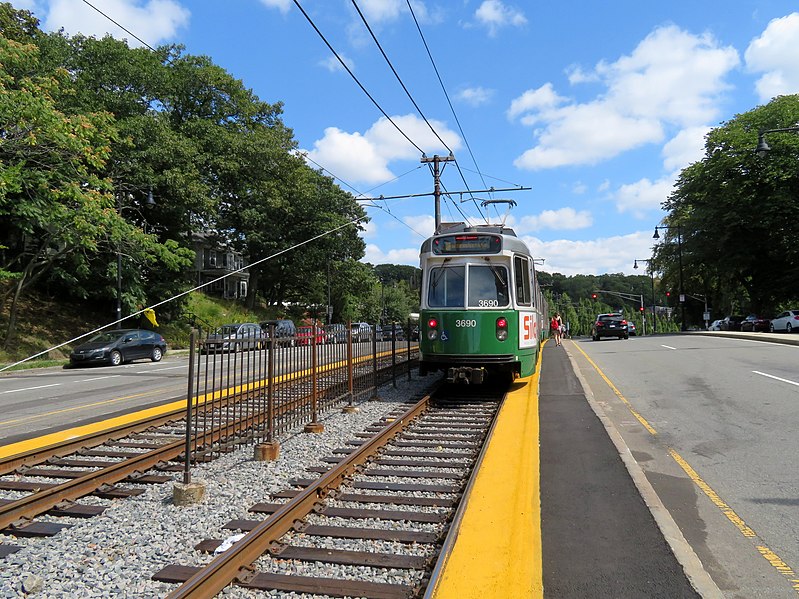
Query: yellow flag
{"points": [[150, 314]]}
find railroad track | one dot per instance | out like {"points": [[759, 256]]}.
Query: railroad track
{"points": [[378, 514], [118, 463]]}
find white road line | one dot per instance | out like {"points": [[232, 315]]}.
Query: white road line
{"points": [[31, 388], [776, 378], [162, 369], [668, 346], [100, 378]]}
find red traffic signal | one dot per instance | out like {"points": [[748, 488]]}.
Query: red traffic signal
{"points": [[593, 296], [668, 294], [641, 309]]}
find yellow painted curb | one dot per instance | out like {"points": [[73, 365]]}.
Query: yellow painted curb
{"points": [[497, 552]]}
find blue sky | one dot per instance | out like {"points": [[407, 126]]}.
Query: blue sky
{"points": [[596, 106]]}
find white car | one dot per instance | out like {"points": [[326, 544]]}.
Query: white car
{"points": [[788, 321], [714, 326]]}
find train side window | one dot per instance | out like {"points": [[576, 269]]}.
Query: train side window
{"points": [[488, 286], [446, 287], [521, 268]]}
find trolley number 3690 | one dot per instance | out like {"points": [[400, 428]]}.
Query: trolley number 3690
{"points": [[465, 323]]}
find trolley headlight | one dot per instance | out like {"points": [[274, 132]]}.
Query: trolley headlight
{"points": [[502, 328], [432, 329]]}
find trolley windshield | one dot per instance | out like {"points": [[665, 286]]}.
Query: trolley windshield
{"points": [[479, 287]]}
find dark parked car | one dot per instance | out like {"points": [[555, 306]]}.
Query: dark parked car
{"points": [[731, 323], [632, 330], [753, 322], [387, 331], [119, 346], [609, 325], [285, 331], [235, 337]]}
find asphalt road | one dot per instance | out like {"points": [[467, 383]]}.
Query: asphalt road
{"points": [[712, 422]]}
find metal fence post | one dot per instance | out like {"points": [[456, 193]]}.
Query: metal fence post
{"points": [[189, 401], [314, 426], [394, 354]]}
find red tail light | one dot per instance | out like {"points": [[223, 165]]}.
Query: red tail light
{"points": [[502, 328], [796, 317], [599, 323], [432, 332], [624, 322]]}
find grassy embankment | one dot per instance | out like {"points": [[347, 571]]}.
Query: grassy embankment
{"points": [[44, 323]]}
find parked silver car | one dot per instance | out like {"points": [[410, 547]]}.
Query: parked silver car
{"points": [[361, 331], [787, 321], [235, 337]]}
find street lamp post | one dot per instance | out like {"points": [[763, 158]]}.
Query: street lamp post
{"points": [[652, 275], [762, 147], [683, 326]]}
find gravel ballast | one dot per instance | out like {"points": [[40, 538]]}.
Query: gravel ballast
{"points": [[115, 554]]}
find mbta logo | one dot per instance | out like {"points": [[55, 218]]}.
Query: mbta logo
{"points": [[528, 329]]}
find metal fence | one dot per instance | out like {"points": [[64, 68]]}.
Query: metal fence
{"points": [[249, 390]]}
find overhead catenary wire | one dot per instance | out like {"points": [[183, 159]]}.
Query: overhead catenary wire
{"points": [[122, 27], [399, 79], [354, 78], [451, 107]]}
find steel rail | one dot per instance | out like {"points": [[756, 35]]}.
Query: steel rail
{"points": [[22, 511], [235, 563], [40, 454]]}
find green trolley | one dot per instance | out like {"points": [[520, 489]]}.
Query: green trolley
{"points": [[482, 310]]}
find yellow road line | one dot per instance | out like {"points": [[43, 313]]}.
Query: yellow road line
{"points": [[498, 548], [80, 407], [714, 497], [638, 416]]}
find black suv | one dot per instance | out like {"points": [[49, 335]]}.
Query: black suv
{"points": [[285, 331], [609, 325]]}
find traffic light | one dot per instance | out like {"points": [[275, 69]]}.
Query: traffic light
{"points": [[640, 308], [668, 294], [593, 296]]}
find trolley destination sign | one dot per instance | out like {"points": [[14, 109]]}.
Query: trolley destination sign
{"points": [[467, 244]]}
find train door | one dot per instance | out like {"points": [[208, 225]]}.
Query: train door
{"points": [[528, 321]]}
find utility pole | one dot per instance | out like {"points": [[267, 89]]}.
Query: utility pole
{"points": [[437, 160]]}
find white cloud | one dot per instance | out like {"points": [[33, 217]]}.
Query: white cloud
{"points": [[579, 188], [154, 22], [475, 96], [685, 148], [380, 11], [561, 219], [672, 80], [494, 14], [643, 196], [598, 256], [542, 99], [370, 229], [332, 64], [282, 5], [374, 255], [364, 158], [423, 225], [776, 54]]}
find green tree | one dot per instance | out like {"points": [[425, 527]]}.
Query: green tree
{"points": [[54, 201], [733, 208]]}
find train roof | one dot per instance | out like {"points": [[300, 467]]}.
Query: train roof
{"points": [[510, 241], [447, 228]]}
